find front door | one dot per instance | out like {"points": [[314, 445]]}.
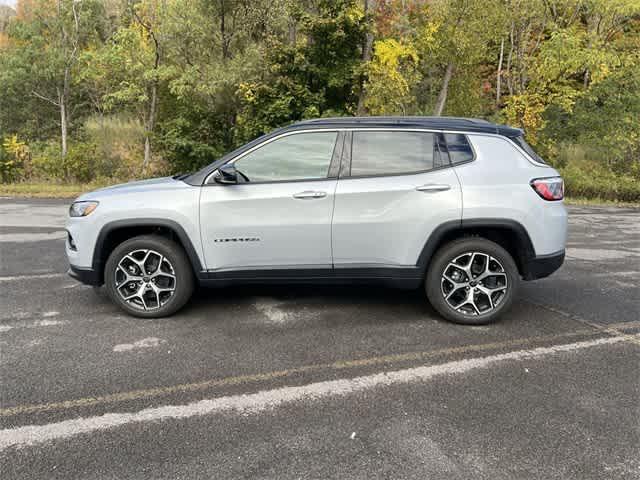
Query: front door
{"points": [[279, 214]]}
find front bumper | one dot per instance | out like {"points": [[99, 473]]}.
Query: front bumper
{"points": [[543, 265], [88, 276]]}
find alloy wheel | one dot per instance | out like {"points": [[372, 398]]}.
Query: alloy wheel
{"points": [[145, 279], [474, 283]]}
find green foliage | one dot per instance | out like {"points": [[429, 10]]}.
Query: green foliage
{"points": [[607, 119], [590, 179], [391, 78], [175, 84], [76, 167], [311, 78], [184, 143], [14, 156], [118, 141], [285, 96]]}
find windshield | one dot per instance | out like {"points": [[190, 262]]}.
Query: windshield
{"points": [[522, 143]]}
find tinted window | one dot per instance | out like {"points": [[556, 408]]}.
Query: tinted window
{"points": [[458, 147], [294, 157], [379, 153]]}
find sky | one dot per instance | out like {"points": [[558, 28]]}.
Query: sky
{"points": [[11, 3]]}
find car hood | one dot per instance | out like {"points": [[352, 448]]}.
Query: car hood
{"points": [[152, 184]]}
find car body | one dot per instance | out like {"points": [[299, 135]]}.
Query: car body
{"points": [[341, 199]]}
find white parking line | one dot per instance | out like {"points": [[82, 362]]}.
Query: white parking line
{"points": [[31, 277], [150, 342], [32, 237], [257, 402], [39, 323]]}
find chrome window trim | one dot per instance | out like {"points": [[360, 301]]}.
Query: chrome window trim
{"points": [[374, 129]]}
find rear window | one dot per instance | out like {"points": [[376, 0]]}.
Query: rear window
{"points": [[522, 143], [393, 153], [458, 146]]}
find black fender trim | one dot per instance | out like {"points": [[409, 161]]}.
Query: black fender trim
{"points": [[88, 276], [433, 241], [98, 262], [525, 250]]}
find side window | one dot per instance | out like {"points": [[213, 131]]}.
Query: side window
{"points": [[459, 148], [393, 153], [293, 157]]}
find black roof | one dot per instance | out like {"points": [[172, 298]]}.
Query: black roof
{"points": [[436, 123]]}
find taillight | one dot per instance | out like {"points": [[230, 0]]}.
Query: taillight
{"points": [[549, 188]]}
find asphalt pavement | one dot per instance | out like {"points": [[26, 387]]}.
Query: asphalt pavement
{"points": [[320, 382]]}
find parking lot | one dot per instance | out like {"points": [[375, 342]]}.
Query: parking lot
{"points": [[320, 382]]}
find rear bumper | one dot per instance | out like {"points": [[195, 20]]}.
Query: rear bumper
{"points": [[88, 276], [543, 265]]}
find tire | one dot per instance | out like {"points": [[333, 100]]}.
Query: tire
{"points": [[468, 301], [155, 293]]}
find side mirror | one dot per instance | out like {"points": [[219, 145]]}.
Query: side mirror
{"points": [[227, 174]]}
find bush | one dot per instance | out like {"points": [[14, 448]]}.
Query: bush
{"points": [[119, 142], [77, 166], [107, 149], [14, 159], [592, 179]]}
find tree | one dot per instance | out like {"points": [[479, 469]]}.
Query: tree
{"points": [[392, 76], [454, 37], [45, 45], [319, 75], [367, 49], [55, 39]]}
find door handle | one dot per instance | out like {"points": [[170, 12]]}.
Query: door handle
{"points": [[307, 194], [431, 187]]}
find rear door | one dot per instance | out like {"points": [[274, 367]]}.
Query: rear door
{"points": [[279, 216], [397, 188]]}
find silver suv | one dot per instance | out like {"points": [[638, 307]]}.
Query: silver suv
{"points": [[462, 207]]}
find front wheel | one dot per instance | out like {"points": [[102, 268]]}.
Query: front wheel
{"points": [[149, 276], [472, 281]]}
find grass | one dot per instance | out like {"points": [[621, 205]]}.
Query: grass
{"points": [[44, 190], [599, 202]]}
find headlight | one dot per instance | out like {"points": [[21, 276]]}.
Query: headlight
{"points": [[82, 209]]}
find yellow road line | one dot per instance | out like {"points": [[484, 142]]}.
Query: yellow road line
{"points": [[245, 379]]}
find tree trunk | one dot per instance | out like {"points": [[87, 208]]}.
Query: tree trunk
{"points": [[151, 122], [510, 61], [63, 125], [223, 33], [499, 75], [63, 95], [442, 96], [293, 32], [367, 50]]}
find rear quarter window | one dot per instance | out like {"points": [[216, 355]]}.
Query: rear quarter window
{"points": [[459, 148]]}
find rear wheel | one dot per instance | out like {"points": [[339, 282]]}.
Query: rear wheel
{"points": [[149, 276], [472, 281]]}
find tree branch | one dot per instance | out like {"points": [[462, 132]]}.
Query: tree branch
{"points": [[46, 99]]}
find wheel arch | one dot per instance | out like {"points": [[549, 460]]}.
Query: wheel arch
{"points": [[114, 233], [509, 234]]}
